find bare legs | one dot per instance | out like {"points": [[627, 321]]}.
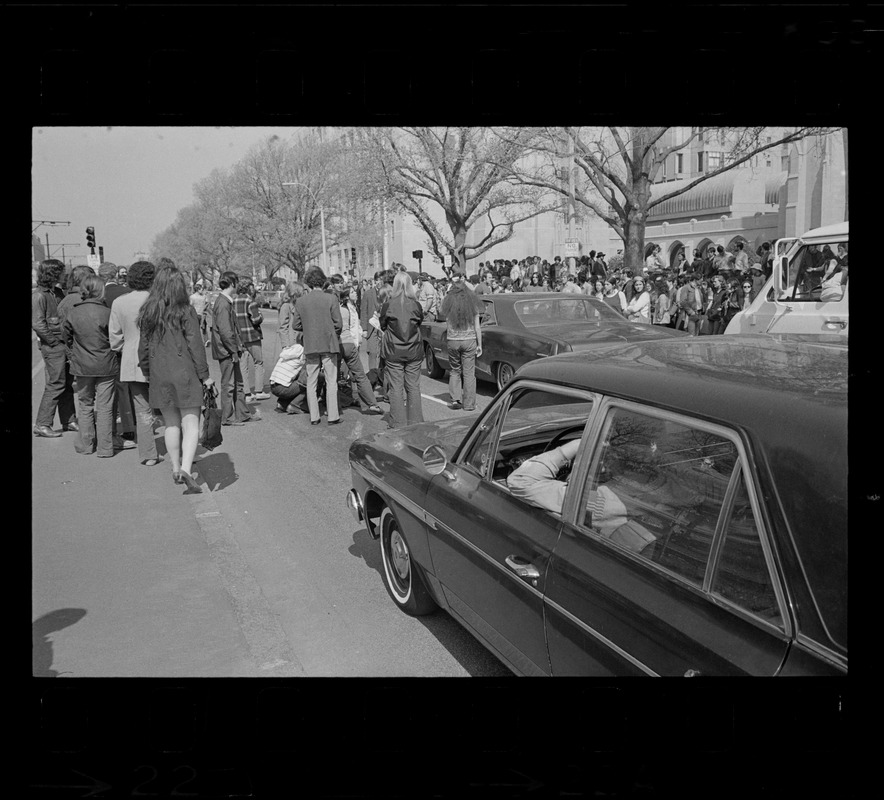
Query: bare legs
{"points": [[182, 433]]}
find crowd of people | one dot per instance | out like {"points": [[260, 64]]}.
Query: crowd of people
{"points": [[134, 340]]}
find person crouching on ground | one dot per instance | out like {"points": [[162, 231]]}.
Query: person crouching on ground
{"points": [[172, 358], [462, 310], [284, 385], [318, 315]]}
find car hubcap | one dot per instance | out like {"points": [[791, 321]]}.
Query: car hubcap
{"points": [[399, 555], [506, 374]]}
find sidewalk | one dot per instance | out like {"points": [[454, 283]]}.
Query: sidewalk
{"points": [[123, 582]]}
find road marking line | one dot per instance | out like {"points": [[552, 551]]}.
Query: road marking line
{"points": [[435, 399], [264, 635]]}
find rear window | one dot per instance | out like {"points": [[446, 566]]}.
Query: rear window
{"points": [[554, 310]]}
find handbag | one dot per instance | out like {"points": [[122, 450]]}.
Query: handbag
{"points": [[210, 427]]}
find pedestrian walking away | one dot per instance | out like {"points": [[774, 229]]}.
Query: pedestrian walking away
{"points": [[95, 367], [172, 357], [402, 350], [462, 310], [318, 315], [58, 389]]}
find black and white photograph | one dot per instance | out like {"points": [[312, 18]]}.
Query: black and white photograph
{"points": [[561, 364], [372, 355]]}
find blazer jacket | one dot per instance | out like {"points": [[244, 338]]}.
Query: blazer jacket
{"points": [[225, 334], [318, 315]]}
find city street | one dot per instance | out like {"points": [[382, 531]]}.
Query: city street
{"points": [[264, 574]]}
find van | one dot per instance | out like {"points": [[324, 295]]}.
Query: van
{"points": [[794, 301]]}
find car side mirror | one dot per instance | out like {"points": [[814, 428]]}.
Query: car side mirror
{"points": [[436, 462]]}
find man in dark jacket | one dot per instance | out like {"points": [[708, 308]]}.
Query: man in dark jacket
{"points": [[95, 365], [318, 315], [58, 391], [227, 350]]}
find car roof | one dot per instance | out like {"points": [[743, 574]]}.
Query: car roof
{"points": [[828, 231], [691, 373]]}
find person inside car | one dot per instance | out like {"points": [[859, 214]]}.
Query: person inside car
{"points": [[537, 481]]}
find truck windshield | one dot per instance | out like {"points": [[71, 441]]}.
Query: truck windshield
{"points": [[817, 273]]}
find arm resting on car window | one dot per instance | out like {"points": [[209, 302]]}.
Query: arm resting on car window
{"points": [[535, 480]]}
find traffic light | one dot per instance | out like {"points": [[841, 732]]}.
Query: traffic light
{"points": [[353, 254], [90, 238], [418, 254]]}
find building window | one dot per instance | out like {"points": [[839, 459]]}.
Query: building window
{"points": [[713, 161], [679, 162], [699, 162]]}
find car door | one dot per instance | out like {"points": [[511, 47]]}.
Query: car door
{"points": [[490, 549], [663, 566]]}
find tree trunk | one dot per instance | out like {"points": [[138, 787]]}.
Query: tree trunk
{"points": [[634, 250], [460, 246]]}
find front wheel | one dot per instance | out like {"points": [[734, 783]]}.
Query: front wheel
{"points": [[402, 576], [504, 373], [433, 368]]}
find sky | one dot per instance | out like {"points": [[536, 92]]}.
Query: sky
{"points": [[126, 182]]}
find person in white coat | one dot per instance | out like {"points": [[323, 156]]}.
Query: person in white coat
{"points": [[124, 335]]}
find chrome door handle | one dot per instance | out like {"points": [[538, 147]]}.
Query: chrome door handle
{"points": [[523, 569], [693, 673], [832, 321]]}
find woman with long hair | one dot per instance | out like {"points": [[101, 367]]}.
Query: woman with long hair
{"points": [[462, 310], [534, 282], [351, 338], [639, 308], [172, 358], [402, 349], [94, 367], [318, 314], [286, 335]]}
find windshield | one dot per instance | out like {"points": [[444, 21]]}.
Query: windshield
{"points": [[556, 310], [817, 272]]}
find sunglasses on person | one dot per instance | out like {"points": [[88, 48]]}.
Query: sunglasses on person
{"points": [[747, 285]]}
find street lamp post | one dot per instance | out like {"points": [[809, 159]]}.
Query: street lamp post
{"points": [[321, 220]]}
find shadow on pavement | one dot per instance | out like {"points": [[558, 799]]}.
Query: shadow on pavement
{"points": [[42, 645], [462, 646], [217, 470]]}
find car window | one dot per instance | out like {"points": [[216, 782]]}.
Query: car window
{"points": [[562, 309], [524, 459], [741, 572], [657, 489], [817, 273], [490, 316]]}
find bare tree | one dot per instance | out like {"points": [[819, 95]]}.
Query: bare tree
{"points": [[619, 166], [467, 173]]}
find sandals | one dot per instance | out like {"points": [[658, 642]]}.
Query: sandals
{"points": [[151, 462]]}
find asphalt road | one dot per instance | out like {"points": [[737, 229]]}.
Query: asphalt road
{"points": [[264, 574]]}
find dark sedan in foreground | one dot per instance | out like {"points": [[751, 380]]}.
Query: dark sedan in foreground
{"points": [[520, 327], [668, 508]]}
